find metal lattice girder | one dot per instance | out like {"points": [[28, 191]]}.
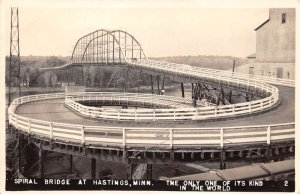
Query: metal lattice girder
{"points": [[107, 47], [14, 59]]}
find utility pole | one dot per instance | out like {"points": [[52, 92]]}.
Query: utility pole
{"points": [[233, 66], [14, 57]]}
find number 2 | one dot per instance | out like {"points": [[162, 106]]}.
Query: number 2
{"points": [[286, 183]]}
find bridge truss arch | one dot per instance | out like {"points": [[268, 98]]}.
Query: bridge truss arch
{"points": [[107, 47]]}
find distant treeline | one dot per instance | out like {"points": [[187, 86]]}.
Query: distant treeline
{"points": [[104, 76], [214, 62]]}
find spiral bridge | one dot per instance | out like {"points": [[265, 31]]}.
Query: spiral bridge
{"points": [[261, 127]]}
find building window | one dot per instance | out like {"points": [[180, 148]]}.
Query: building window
{"points": [[283, 18]]}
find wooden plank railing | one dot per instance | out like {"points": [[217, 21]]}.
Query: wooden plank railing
{"points": [[176, 112], [206, 72], [170, 137], [143, 137], [150, 99]]}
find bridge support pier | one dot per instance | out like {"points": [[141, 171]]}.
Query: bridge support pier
{"points": [[221, 97], [157, 80], [222, 159], [182, 90], [139, 82], [126, 78], [124, 154], [172, 155], [192, 90], [41, 162], [129, 171], [247, 98], [71, 163], [152, 90], [149, 172], [194, 95], [83, 149], [93, 168], [163, 86], [267, 153], [82, 76], [19, 142], [230, 96]]}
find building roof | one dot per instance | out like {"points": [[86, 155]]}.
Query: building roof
{"points": [[252, 56], [253, 171], [262, 24]]}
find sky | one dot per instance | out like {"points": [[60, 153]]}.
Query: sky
{"points": [[162, 31]]}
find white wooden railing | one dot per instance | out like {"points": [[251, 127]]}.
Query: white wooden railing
{"points": [[170, 137], [143, 137], [208, 73], [150, 99], [247, 82], [177, 112], [183, 69], [187, 113], [177, 109]]}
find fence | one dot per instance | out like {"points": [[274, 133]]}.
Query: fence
{"points": [[170, 137], [180, 113], [144, 137], [210, 73]]}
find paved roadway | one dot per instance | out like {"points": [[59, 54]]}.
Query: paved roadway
{"points": [[54, 110]]}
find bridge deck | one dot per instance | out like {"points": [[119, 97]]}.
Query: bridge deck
{"points": [[55, 111]]}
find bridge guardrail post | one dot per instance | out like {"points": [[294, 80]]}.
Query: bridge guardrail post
{"points": [[174, 112], [216, 111], [222, 153], [222, 138], [124, 138], [269, 135], [51, 131], [268, 142], [82, 135], [171, 138], [29, 126]]}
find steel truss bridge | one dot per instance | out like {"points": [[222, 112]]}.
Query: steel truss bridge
{"points": [[111, 137]]}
